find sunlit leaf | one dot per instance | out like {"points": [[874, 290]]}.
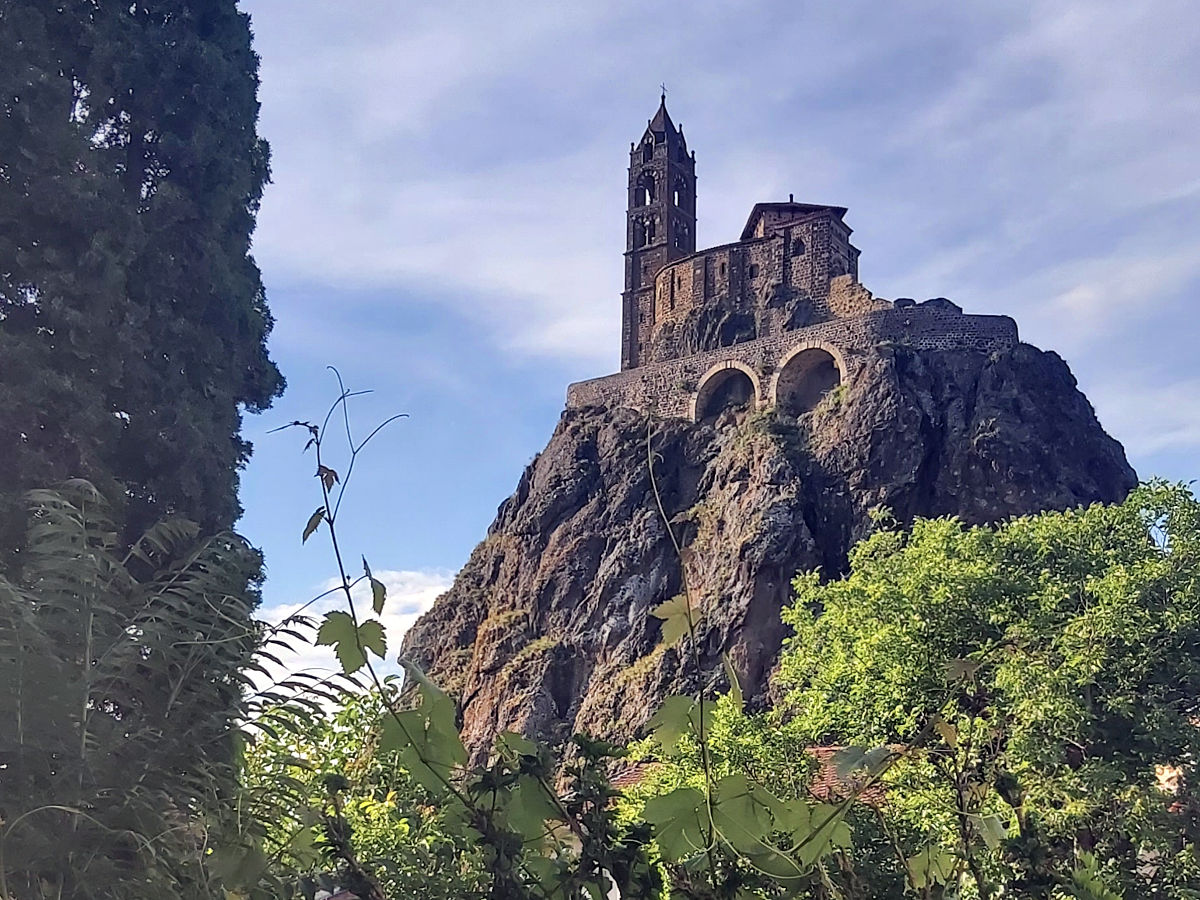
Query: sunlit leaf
{"points": [[933, 865], [672, 722], [678, 616], [948, 732], [993, 831]]}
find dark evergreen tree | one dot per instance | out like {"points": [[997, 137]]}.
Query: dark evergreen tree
{"points": [[133, 320]]}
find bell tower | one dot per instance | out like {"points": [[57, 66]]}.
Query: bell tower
{"points": [[660, 224]]}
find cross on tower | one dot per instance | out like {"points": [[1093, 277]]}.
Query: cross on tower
{"points": [[664, 91]]}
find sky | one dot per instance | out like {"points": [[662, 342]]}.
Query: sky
{"points": [[445, 224]]}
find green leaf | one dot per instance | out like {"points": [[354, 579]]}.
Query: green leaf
{"points": [[792, 817], [398, 731], [442, 747], [876, 758], [371, 637], [678, 616], [518, 744], [314, 522], [528, 808], [338, 631], [847, 761], [961, 670], [672, 722], [852, 760], [948, 732], [992, 830], [933, 865], [679, 819], [827, 829], [740, 818], [378, 589], [779, 865]]}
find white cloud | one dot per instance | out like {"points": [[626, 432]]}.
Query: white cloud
{"points": [[479, 166], [1085, 304], [1151, 415], [409, 594]]}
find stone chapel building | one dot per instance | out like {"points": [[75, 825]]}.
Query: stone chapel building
{"points": [[777, 317]]}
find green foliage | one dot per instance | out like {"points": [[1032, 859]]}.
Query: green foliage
{"points": [[969, 697], [1045, 667], [324, 781], [132, 316], [122, 686]]}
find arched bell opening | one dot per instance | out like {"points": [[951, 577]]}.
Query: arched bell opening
{"points": [[732, 386], [804, 379]]}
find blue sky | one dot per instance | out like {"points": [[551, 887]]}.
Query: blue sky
{"points": [[446, 221]]}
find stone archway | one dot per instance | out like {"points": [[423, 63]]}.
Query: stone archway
{"points": [[726, 384], [806, 374]]}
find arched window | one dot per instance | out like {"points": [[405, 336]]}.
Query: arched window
{"points": [[648, 150], [644, 193], [753, 270], [680, 237], [798, 247], [679, 193]]}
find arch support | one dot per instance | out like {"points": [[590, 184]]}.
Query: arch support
{"points": [[806, 373], [728, 383]]}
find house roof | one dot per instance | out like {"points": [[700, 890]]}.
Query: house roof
{"points": [[797, 209]]}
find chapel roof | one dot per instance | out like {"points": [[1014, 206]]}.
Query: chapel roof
{"points": [[798, 209]]}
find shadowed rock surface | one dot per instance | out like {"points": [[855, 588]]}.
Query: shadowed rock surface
{"points": [[547, 630]]}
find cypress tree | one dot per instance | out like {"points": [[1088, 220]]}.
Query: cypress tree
{"points": [[133, 321]]}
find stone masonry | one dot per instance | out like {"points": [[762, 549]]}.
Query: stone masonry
{"points": [[775, 318]]}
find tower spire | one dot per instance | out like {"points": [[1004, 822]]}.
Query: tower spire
{"points": [[660, 224]]}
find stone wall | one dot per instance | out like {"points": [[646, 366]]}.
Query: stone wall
{"points": [[780, 279], [669, 388]]}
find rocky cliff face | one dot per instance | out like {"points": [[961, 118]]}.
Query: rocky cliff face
{"points": [[547, 628]]}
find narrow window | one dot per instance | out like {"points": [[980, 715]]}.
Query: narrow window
{"points": [[645, 188], [722, 270], [798, 247], [753, 270]]}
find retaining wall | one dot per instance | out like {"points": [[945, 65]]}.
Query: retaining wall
{"points": [[669, 388]]}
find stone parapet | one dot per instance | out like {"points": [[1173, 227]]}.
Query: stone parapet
{"points": [[670, 388]]}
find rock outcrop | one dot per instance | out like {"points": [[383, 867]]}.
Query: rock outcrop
{"points": [[547, 628]]}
